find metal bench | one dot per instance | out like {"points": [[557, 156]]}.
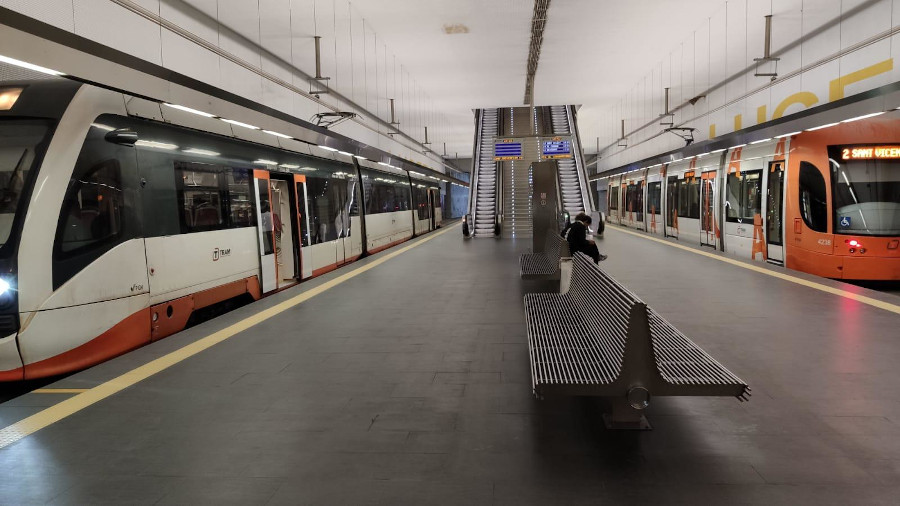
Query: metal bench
{"points": [[544, 264], [599, 339]]}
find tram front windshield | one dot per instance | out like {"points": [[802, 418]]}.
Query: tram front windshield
{"points": [[866, 196], [20, 145]]}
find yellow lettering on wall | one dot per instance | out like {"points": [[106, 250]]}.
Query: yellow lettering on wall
{"points": [[712, 130], [760, 115], [737, 122], [807, 98], [836, 87]]}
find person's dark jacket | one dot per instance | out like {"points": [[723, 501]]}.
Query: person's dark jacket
{"points": [[577, 240]]}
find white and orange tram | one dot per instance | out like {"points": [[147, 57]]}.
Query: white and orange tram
{"points": [[115, 228], [824, 201]]}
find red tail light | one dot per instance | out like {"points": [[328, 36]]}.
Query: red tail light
{"points": [[853, 243]]}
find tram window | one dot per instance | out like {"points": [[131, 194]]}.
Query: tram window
{"points": [[385, 193], [240, 205], [332, 201], [99, 209], [613, 200], [743, 196], [639, 201], [866, 195], [672, 198], [654, 196], [689, 198], [421, 196], [634, 200], [813, 199], [92, 211], [200, 196], [265, 208]]}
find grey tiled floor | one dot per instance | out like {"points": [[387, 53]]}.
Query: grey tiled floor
{"points": [[409, 384]]}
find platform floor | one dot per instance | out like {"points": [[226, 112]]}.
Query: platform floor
{"points": [[409, 383]]}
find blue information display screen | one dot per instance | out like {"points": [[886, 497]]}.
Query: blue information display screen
{"points": [[559, 148], [508, 151]]}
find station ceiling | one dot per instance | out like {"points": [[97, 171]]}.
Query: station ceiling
{"points": [[469, 54], [593, 51]]}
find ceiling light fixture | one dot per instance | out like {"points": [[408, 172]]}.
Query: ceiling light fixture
{"points": [[30, 66], [864, 116], [276, 134], [813, 129], [188, 109], [238, 123]]}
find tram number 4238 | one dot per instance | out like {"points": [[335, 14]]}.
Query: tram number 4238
{"points": [[824, 242]]}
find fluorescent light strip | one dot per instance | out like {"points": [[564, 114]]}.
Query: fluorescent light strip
{"points": [[416, 173], [154, 144], [787, 135], [289, 166], [820, 127], [738, 146], [188, 109], [717, 151], [864, 116], [344, 153], [30, 66], [327, 148], [276, 134], [238, 123], [761, 141], [360, 157], [201, 152], [385, 164], [265, 162]]}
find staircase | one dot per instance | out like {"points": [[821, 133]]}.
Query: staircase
{"points": [[569, 182], [484, 205]]}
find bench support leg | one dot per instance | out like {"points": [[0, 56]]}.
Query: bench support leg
{"points": [[625, 417]]}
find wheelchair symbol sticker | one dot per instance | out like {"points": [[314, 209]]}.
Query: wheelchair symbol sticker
{"points": [[845, 221]]}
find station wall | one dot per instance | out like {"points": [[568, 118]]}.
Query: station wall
{"points": [[276, 37], [827, 50]]}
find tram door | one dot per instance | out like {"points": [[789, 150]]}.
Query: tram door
{"points": [[303, 226], [708, 206], [268, 275], [775, 212], [434, 207]]}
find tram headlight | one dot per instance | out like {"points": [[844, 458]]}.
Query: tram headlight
{"points": [[4, 286]]}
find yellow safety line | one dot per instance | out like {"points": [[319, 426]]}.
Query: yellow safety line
{"points": [[60, 390], [53, 414], [887, 306]]}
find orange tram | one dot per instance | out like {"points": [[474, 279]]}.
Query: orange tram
{"points": [[824, 201]]}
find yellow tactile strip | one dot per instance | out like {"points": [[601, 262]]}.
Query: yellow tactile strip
{"points": [[887, 306]]}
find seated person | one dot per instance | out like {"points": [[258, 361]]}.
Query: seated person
{"points": [[576, 236]]}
